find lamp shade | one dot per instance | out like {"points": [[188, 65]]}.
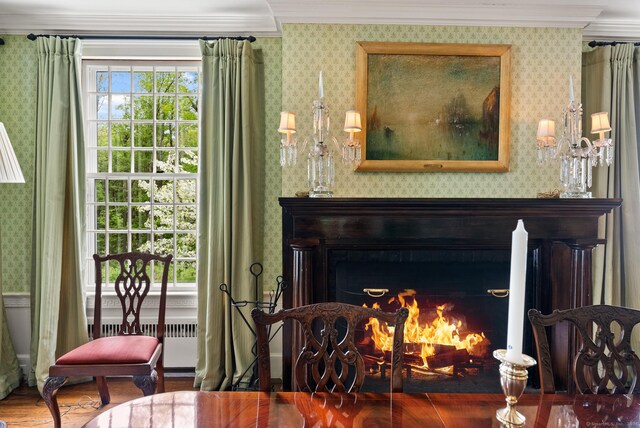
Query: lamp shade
{"points": [[600, 122], [352, 121], [10, 171], [546, 128], [287, 122]]}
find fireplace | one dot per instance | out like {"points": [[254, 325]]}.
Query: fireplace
{"points": [[447, 256]]}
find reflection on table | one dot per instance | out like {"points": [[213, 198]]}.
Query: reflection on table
{"points": [[288, 409]]}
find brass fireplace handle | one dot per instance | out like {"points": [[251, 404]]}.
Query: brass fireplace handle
{"points": [[499, 292], [376, 292]]}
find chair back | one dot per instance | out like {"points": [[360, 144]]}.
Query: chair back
{"points": [[605, 361], [132, 282], [329, 360]]}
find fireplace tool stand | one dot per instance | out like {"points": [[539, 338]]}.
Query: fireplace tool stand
{"points": [[256, 270], [513, 378]]}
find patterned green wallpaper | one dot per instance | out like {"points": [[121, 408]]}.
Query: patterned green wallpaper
{"points": [[542, 60], [18, 65], [272, 259]]}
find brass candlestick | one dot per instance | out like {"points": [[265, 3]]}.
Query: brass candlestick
{"points": [[513, 378]]}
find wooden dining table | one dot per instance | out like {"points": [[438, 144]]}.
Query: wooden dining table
{"points": [[369, 410]]}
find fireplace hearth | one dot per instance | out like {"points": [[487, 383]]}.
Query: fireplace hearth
{"points": [[450, 252]]}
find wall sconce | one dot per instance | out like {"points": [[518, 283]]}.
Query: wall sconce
{"points": [[577, 154], [351, 150], [288, 145]]}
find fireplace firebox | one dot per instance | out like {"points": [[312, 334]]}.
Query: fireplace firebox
{"points": [[448, 260]]}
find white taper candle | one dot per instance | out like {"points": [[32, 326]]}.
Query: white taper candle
{"points": [[517, 285], [320, 87], [570, 88]]}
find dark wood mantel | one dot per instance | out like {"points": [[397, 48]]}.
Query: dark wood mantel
{"points": [[562, 235]]}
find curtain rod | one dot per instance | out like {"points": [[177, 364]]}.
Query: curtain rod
{"points": [[594, 43], [33, 37]]}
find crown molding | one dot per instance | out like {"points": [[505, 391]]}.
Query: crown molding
{"points": [[612, 30], [418, 12], [138, 25]]}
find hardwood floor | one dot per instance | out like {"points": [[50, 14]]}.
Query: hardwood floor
{"points": [[78, 403]]}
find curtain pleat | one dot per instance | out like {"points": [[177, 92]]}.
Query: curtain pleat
{"points": [[230, 207], [58, 253]]}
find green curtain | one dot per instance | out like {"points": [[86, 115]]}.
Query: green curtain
{"points": [[611, 83], [230, 206], [9, 367], [58, 254]]}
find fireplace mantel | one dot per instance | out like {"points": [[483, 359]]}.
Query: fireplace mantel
{"points": [[562, 235]]}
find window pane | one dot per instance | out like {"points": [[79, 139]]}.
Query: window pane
{"points": [[140, 191], [102, 131], [113, 268], [143, 161], [186, 217], [165, 161], [188, 108], [188, 134], [118, 218], [121, 161], [188, 161], [143, 107], [163, 217], [166, 108], [186, 191], [121, 81], [103, 161], [186, 272], [141, 242], [120, 135], [188, 81], [185, 245], [165, 81], [99, 191], [163, 244], [118, 191], [140, 217], [143, 134], [163, 191], [101, 218], [120, 107], [143, 81], [165, 135], [117, 243], [100, 243], [102, 81], [157, 273], [102, 107]]}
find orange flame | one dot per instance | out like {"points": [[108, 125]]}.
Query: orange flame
{"points": [[439, 331]]}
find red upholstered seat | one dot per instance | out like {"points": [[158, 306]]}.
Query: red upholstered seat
{"points": [[112, 350]]}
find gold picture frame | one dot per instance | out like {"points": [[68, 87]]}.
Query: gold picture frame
{"points": [[432, 107]]}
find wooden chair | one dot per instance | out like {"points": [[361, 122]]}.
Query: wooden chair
{"points": [[130, 352], [330, 362], [605, 362]]}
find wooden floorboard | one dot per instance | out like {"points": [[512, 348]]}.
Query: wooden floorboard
{"points": [[25, 408]]}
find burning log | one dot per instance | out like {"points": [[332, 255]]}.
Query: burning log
{"points": [[448, 358]]}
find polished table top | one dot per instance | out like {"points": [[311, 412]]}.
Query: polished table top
{"points": [[288, 409]]}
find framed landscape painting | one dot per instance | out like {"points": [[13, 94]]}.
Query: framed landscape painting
{"points": [[433, 107]]}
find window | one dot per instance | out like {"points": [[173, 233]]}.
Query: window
{"points": [[141, 161]]}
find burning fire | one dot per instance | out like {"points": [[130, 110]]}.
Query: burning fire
{"points": [[424, 339]]}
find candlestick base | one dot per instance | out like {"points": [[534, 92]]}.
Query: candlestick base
{"points": [[513, 378]]}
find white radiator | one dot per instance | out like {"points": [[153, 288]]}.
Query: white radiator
{"points": [[180, 344]]}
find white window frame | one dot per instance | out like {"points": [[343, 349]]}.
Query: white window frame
{"points": [[101, 60]]}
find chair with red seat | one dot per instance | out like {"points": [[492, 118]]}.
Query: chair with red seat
{"points": [[130, 352]]}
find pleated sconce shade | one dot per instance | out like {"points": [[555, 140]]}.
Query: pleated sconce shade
{"points": [[10, 171]]}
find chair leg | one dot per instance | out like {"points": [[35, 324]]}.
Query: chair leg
{"points": [[49, 392], [103, 389], [147, 383], [160, 370]]}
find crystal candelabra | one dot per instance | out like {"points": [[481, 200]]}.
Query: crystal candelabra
{"points": [[577, 155], [320, 166]]}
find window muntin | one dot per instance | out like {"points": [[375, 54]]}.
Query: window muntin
{"points": [[142, 150]]}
